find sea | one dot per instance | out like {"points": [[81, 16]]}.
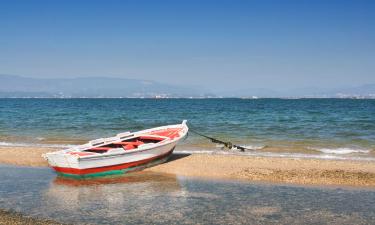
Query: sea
{"points": [[294, 128]]}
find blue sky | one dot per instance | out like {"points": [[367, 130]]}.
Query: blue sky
{"points": [[215, 44]]}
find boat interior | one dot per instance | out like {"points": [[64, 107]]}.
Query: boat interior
{"points": [[128, 144], [134, 143]]}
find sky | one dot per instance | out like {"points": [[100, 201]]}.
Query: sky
{"points": [[219, 45]]}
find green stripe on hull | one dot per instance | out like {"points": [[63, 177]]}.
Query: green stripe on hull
{"points": [[92, 175], [114, 172]]}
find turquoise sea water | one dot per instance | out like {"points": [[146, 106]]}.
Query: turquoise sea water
{"points": [[322, 128]]}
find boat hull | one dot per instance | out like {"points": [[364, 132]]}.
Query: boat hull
{"points": [[113, 169], [119, 154]]}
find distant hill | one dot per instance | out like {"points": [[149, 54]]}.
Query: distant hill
{"points": [[91, 87], [101, 87], [363, 91]]}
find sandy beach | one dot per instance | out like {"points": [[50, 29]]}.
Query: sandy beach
{"points": [[279, 170], [24, 156], [12, 218], [246, 168]]}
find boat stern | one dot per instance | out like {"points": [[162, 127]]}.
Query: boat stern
{"points": [[61, 159]]}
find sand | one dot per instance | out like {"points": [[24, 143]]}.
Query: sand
{"points": [[24, 156], [246, 168], [12, 218], [279, 170]]}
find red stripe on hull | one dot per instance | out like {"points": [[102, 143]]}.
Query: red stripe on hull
{"points": [[108, 168]]}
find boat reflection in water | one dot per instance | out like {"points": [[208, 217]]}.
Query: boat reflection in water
{"points": [[137, 177], [129, 194]]}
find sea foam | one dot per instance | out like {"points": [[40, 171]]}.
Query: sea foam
{"points": [[249, 147], [19, 144], [341, 151]]}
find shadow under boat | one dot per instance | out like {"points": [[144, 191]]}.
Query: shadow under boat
{"points": [[177, 156]]}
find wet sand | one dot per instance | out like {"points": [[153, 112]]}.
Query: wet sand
{"points": [[248, 168], [24, 156], [13, 218]]}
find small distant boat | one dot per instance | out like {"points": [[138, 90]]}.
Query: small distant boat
{"points": [[119, 154]]}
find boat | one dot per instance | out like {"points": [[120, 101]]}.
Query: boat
{"points": [[120, 154]]}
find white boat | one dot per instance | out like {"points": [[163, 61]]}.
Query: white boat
{"points": [[119, 154]]}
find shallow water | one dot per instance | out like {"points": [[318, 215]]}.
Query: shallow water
{"points": [[144, 197], [325, 128]]}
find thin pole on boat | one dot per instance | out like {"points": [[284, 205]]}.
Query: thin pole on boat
{"points": [[227, 144]]}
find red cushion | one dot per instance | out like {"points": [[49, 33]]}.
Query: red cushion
{"points": [[100, 148], [128, 147], [136, 143]]}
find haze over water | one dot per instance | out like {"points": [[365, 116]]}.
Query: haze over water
{"points": [[320, 128]]}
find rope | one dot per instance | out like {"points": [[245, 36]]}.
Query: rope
{"points": [[227, 144]]}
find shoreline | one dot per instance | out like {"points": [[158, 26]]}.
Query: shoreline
{"points": [[299, 171], [311, 172]]}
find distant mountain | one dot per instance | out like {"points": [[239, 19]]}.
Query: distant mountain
{"points": [[92, 87], [364, 91], [368, 89], [102, 87], [249, 92]]}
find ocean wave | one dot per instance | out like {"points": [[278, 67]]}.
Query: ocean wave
{"points": [[254, 147], [273, 154], [341, 151], [196, 151], [250, 147], [19, 144]]}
